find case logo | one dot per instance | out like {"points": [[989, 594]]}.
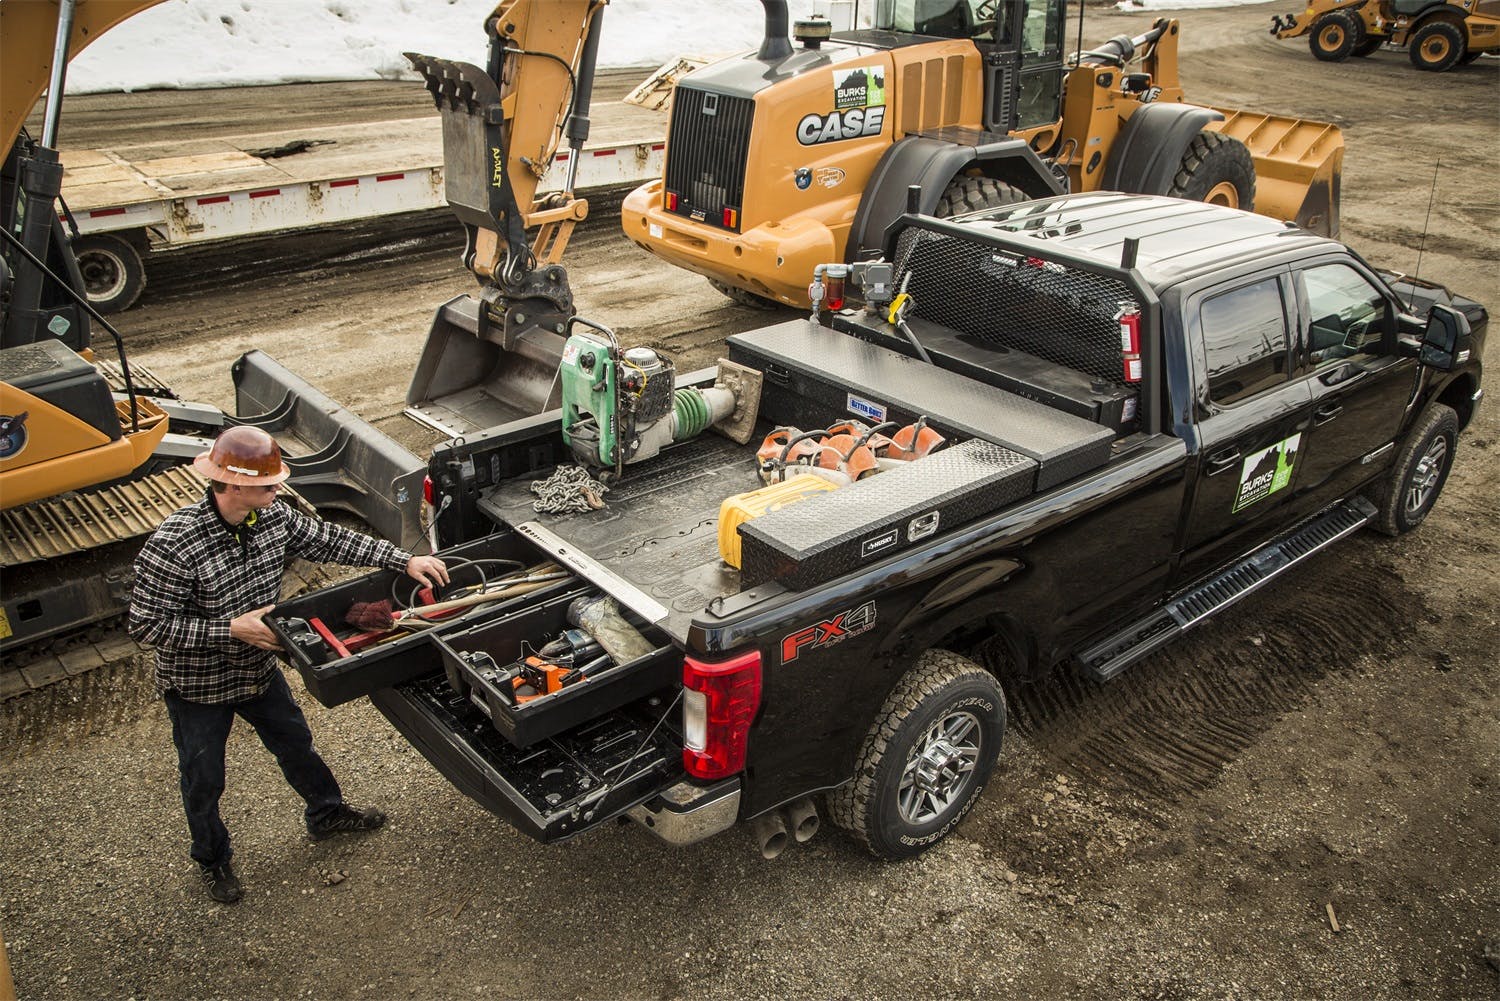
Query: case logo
{"points": [[1265, 472], [845, 625], [859, 108]]}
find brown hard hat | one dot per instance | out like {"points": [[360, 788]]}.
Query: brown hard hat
{"points": [[244, 456]]}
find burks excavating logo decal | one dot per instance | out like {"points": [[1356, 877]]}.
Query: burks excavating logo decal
{"points": [[1267, 471], [846, 625], [859, 103]]}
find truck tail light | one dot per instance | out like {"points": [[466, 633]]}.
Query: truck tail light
{"points": [[731, 217], [671, 201], [718, 704], [1130, 345], [427, 490]]}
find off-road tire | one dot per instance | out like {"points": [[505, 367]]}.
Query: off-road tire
{"points": [[1335, 37], [941, 687], [1469, 56], [1369, 46], [1216, 168], [113, 274], [967, 193], [1436, 46], [743, 296], [1422, 466]]}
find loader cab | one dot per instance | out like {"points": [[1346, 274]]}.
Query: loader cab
{"points": [[1021, 42]]}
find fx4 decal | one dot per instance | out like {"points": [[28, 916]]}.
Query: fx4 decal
{"points": [[845, 625], [1267, 471]]}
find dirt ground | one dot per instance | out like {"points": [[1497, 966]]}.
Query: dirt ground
{"points": [[1328, 750]]}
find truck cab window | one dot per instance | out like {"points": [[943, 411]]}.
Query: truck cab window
{"points": [[1346, 315], [1244, 340]]}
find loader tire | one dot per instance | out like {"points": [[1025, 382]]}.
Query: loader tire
{"points": [[966, 193], [1335, 37], [743, 296], [1436, 46], [113, 274], [1369, 46], [1217, 169], [1412, 486], [926, 758]]}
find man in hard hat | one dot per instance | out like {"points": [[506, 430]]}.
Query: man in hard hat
{"points": [[203, 584]]}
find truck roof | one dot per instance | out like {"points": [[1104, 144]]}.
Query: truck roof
{"points": [[1178, 239]]}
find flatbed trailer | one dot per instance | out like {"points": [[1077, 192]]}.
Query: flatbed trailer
{"points": [[128, 200]]}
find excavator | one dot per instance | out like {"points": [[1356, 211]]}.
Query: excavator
{"points": [[1437, 34], [95, 453]]}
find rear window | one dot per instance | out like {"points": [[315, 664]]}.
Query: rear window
{"points": [[1244, 340]]}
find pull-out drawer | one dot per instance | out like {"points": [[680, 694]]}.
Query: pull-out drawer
{"points": [[315, 633], [484, 664]]}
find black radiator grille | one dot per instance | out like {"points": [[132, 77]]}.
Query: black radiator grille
{"points": [[707, 151], [1063, 314]]}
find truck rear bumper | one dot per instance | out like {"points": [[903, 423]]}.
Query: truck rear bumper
{"points": [[561, 786], [686, 813]]}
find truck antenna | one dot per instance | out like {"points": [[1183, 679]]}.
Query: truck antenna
{"points": [[1431, 197], [1078, 56]]}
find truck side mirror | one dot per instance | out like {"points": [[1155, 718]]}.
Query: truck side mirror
{"points": [[1445, 345]]}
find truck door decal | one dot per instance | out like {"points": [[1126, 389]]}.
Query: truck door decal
{"points": [[845, 625], [1267, 471]]}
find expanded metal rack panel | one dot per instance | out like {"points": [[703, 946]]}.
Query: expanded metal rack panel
{"points": [[707, 153], [1063, 314]]}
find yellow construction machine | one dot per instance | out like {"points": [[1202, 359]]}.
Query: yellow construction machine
{"points": [[93, 454], [794, 155], [1437, 34]]}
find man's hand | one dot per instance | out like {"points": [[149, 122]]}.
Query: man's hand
{"points": [[249, 628], [429, 570]]}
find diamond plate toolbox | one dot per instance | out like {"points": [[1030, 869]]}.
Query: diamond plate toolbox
{"points": [[815, 376], [805, 544]]}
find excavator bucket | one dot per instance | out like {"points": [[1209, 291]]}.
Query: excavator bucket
{"points": [[337, 460], [1298, 165]]}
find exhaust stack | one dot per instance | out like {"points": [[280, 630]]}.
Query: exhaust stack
{"points": [[802, 819], [770, 834], [776, 45]]}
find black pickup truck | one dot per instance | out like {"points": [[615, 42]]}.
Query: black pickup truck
{"points": [[1150, 408]]}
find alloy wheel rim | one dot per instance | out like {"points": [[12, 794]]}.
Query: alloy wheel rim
{"points": [[1424, 478], [940, 768]]}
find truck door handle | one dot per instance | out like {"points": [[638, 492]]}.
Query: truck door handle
{"points": [[1326, 413], [1221, 461]]}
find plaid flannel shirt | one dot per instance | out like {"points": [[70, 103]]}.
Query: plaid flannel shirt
{"points": [[197, 572]]}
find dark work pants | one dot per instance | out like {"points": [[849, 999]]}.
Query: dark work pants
{"points": [[200, 730]]}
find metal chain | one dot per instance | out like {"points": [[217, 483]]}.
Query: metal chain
{"points": [[570, 489]]}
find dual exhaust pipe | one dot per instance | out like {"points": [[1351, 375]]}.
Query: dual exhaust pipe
{"points": [[775, 830]]}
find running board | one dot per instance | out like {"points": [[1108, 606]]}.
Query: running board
{"points": [[1105, 660]]}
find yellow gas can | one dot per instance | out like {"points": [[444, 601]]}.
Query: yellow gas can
{"points": [[740, 508]]}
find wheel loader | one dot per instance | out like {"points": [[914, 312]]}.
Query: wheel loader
{"points": [[1437, 34]]}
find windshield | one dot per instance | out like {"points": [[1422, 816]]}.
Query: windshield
{"points": [[994, 22]]}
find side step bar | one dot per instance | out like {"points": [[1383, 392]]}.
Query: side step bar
{"points": [[337, 459], [1105, 660]]}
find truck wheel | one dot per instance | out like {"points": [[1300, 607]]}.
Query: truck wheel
{"points": [[1217, 169], [113, 273], [1369, 46], [1336, 35], [1420, 471], [925, 759], [744, 297], [973, 194], [1437, 46]]}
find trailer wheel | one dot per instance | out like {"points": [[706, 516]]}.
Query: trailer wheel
{"points": [[1421, 469], [1217, 169], [113, 273], [1336, 35], [926, 758], [743, 296], [967, 193], [1436, 46]]}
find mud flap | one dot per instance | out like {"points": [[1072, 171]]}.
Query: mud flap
{"points": [[337, 460]]}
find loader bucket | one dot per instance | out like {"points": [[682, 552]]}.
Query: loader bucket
{"points": [[1298, 165], [466, 381], [337, 460]]}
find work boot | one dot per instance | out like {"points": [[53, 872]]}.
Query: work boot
{"points": [[222, 884], [346, 820]]}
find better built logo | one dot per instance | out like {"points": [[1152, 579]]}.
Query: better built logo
{"points": [[1267, 471]]}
